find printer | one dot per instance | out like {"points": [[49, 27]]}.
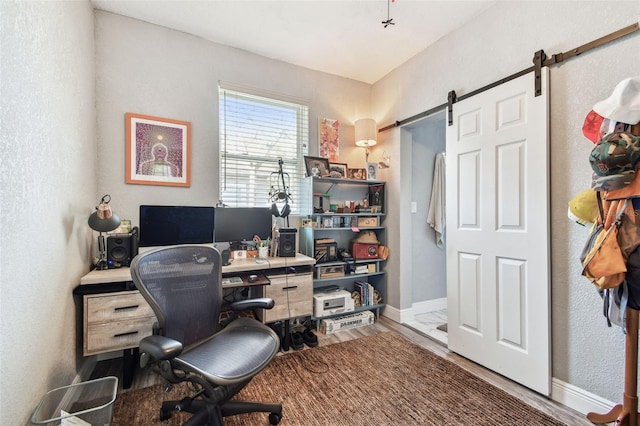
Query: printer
{"points": [[332, 302]]}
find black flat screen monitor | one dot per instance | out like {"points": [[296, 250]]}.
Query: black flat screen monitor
{"points": [[170, 225], [236, 224]]}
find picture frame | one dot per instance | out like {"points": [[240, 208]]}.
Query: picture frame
{"points": [[158, 151], [376, 197], [309, 223], [329, 138], [357, 174], [372, 171], [320, 164], [338, 170]]}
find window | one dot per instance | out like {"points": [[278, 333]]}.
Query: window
{"points": [[255, 133]]}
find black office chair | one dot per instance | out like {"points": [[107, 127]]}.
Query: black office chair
{"points": [[183, 286]]}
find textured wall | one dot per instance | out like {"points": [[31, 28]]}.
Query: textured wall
{"points": [[148, 69], [48, 190], [429, 274], [502, 41]]}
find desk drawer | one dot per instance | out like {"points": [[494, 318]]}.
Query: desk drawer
{"points": [[292, 294], [116, 306], [117, 335], [115, 321]]}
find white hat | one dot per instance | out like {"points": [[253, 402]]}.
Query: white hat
{"points": [[624, 103]]}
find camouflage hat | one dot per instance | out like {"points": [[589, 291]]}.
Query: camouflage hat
{"points": [[612, 182], [615, 154]]}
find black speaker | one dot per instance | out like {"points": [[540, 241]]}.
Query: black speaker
{"points": [[120, 249], [225, 255], [287, 242]]}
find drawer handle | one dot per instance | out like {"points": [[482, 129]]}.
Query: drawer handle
{"points": [[131, 333], [124, 308], [292, 287]]}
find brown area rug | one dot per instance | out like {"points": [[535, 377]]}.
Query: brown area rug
{"points": [[376, 380]]}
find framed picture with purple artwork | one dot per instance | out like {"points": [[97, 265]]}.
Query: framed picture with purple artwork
{"points": [[158, 151]]}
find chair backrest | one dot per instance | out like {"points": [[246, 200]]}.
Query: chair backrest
{"points": [[183, 286]]}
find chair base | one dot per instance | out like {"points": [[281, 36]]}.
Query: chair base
{"points": [[209, 414]]}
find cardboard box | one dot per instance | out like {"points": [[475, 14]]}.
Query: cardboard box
{"points": [[345, 322], [368, 222], [334, 271]]}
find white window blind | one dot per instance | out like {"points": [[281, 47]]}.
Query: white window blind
{"points": [[255, 133]]}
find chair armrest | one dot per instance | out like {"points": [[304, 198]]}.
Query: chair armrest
{"points": [[160, 347], [260, 303]]}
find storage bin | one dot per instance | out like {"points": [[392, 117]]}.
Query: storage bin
{"points": [[80, 404]]}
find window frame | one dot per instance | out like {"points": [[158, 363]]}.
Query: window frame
{"points": [[261, 180]]}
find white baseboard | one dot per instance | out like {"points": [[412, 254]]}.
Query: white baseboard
{"points": [[406, 315], [396, 314], [429, 306], [578, 399]]}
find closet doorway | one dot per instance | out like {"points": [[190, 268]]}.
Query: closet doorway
{"points": [[429, 280]]}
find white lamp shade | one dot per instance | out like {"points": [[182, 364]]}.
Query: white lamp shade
{"points": [[366, 132]]}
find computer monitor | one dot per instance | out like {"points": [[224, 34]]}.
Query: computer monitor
{"points": [[170, 225], [237, 224]]}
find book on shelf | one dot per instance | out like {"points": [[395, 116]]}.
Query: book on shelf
{"points": [[366, 292], [325, 241], [361, 269]]}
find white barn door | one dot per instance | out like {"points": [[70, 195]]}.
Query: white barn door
{"points": [[498, 231]]}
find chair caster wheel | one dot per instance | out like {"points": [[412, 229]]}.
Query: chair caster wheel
{"points": [[165, 415], [274, 418]]}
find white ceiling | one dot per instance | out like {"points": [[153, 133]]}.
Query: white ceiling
{"points": [[345, 38]]}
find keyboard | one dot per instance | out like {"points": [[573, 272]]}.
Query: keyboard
{"points": [[231, 281]]}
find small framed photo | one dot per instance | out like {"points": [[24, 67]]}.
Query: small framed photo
{"points": [[316, 166], [327, 222], [157, 151], [358, 174], [372, 171], [338, 170], [309, 223], [376, 198]]}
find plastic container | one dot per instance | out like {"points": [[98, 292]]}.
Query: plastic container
{"points": [[80, 404]]}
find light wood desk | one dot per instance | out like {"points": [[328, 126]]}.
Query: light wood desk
{"points": [[237, 266], [116, 317]]}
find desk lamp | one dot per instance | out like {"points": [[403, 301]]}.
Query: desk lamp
{"points": [[366, 134], [103, 220]]}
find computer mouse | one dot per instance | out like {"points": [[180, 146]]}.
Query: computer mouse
{"points": [[252, 278]]}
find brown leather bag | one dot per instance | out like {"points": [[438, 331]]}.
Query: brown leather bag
{"points": [[603, 261]]}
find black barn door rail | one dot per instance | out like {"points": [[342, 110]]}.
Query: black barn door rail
{"points": [[540, 60]]}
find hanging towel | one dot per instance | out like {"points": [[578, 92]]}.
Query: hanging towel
{"points": [[436, 215]]}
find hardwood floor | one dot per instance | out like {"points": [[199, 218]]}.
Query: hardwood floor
{"points": [[144, 378]]}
